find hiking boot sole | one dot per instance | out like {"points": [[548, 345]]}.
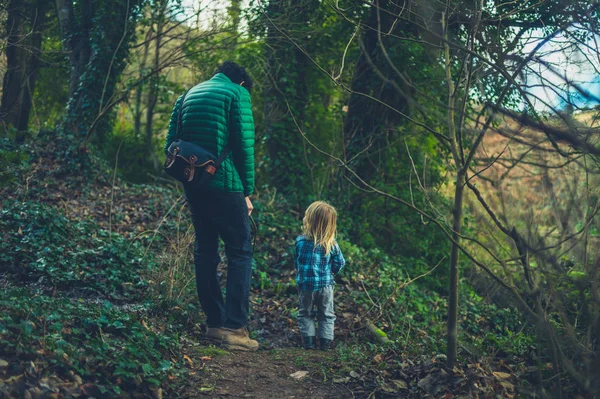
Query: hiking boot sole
{"points": [[238, 347], [220, 341]]}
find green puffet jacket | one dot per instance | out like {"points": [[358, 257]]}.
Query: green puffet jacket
{"points": [[207, 109]]}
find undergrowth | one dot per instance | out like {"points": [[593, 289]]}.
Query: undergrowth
{"points": [[40, 244], [394, 292], [75, 302], [108, 347], [112, 305]]}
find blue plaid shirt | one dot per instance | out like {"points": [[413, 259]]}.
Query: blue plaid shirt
{"points": [[315, 269]]}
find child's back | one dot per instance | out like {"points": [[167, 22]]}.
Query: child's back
{"points": [[315, 267], [318, 259]]}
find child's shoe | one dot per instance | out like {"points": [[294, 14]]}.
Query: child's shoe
{"points": [[324, 344], [309, 342]]}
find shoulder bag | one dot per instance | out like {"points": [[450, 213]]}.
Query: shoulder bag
{"points": [[190, 163]]}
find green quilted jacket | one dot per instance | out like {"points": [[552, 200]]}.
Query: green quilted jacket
{"points": [[215, 113]]}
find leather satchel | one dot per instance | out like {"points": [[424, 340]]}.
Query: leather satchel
{"points": [[191, 163]]}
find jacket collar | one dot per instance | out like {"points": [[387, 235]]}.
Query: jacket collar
{"points": [[221, 77]]}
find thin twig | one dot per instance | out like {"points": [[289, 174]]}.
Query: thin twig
{"points": [[112, 192]]}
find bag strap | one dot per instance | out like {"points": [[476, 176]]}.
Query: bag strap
{"points": [[225, 151], [223, 155]]}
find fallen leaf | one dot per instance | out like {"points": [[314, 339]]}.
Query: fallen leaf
{"points": [[71, 388], [299, 375], [143, 323], [90, 389], [206, 358], [507, 385], [354, 374], [427, 383], [186, 357], [32, 368], [400, 384], [3, 363], [378, 358], [14, 378], [385, 387], [499, 374], [341, 380], [157, 393]]}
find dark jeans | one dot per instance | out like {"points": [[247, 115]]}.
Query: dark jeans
{"points": [[214, 214]]}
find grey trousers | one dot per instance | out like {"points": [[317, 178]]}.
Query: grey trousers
{"points": [[323, 301]]}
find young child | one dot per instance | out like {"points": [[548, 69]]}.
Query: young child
{"points": [[318, 259]]}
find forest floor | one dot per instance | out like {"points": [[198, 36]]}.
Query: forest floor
{"points": [[85, 311], [271, 373]]}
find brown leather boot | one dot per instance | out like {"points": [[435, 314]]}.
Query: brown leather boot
{"points": [[216, 334], [238, 339]]}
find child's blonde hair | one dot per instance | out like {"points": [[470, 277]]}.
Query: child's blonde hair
{"points": [[319, 224]]}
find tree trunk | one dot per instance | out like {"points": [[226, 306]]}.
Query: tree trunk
{"points": [[234, 11], [457, 212], [15, 65], [286, 99], [153, 90], [137, 112], [75, 38], [24, 42], [97, 36], [368, 122]]}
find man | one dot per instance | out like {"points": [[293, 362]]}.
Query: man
{"points": [[218, 114]]}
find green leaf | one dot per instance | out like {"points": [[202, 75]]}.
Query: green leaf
{"points": [[165, 365], [147, 369]]}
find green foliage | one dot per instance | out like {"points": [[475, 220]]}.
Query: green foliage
{"points": [[104, 344], [412, 314], [491, 331], [52, 83], [14, 162], [106, 44], [274, 245], [76, 311], [129, 152], [298, 98], [41, 244]]}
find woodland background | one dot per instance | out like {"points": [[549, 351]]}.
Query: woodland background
{"points": [[458, 140]]}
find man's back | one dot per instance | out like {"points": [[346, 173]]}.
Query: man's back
{"points": [[217, 113]]}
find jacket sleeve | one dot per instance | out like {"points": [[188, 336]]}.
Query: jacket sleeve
{"points": [[172, 132], [296, 254], [337, 260], [242, 139]]}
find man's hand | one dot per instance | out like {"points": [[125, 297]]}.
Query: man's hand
{"points": [[250, 207]]}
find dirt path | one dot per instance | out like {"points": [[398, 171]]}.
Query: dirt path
{"points": [[264, 374]]}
